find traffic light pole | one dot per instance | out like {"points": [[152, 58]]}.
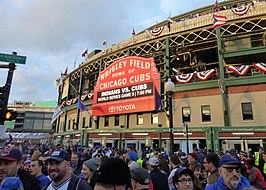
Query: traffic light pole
{"points": [[6, 90]]}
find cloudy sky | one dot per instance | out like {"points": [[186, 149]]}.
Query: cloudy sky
{"points": [[54, 33]]}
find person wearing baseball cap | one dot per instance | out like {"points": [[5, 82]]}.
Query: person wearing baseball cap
{"points": [[11, 166], [230, 175], [61, 173], [140, 179], [158, 178]]}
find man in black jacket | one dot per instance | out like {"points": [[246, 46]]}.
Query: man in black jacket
{"points": [[61, 173], [10, 166]]}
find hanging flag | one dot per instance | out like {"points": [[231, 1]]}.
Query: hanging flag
{"points": [[81, 106], [75, 63], [65, 73], [58, 82], [56, 114], [169, 22], [216, 7], [219, 20], [133, 32], [84, 53], [104, 42]]}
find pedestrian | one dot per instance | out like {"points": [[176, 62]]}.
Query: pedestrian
{"points": [[61, 173], [89, 169], [175, 164], [36, 171], [183, 179], [211, 164], [113, 174], [75, 163], [230, 175], [255, 177], [159, 179], [140, 179], [11, 166]]}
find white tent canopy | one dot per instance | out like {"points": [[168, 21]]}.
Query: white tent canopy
{"points": [[29, 135]]}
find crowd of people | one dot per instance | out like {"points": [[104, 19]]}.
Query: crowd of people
{"points": [[59, 167]]}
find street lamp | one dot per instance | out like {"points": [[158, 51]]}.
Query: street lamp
{"points": [[169, 88]]}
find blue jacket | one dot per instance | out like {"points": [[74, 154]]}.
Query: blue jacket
{"points": [[219, 185]]}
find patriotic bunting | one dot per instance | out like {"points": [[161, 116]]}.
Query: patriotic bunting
{"points": [[156, 31], [261, 67], [184, 78], [241, 71], [240, 10], [205, 75]]}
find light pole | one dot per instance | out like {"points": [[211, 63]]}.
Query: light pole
{"points": [[160, 136], [169, 88], [186, 132], [120, 136]]}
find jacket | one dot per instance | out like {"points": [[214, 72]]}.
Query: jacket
{"points": [[25, 178], [76, 183], [159, 180], [219, 185]]}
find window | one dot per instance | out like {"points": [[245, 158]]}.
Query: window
{"points": [[48, 115], [29, 114], [38, 124], [106, 121], [247, 113], [74, 124], [28, 124], [116, 120], [69, 123], [47, 124], [186, 114], [39, 115], [83, 122], [154, 118], [90, 121], [139, 119], [205, 113]]}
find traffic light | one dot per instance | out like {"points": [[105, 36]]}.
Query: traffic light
{"points": [[10, 115]]}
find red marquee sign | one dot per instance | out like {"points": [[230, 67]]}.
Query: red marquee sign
{"points": [[129, 85]]}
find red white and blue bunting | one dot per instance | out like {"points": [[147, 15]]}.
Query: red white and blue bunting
{"points": [[184, 78], [261, 67], [156, 31], [239, 70], [75, 100], [241, 9], [205, 75]]}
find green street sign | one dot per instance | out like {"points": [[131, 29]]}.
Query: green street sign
{"points": [[12, 58]]}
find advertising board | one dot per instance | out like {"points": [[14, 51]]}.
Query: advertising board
{"points": [[128, 85]]}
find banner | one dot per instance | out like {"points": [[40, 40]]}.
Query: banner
{"points": [[56, 114], [129, 85]]}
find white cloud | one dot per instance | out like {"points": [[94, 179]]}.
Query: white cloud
{"points": [[53, 33]]}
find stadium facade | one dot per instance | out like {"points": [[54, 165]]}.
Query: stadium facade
{"points": [[219, 84]]}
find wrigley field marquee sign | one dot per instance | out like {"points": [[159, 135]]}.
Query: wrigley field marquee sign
{"points": [[129, 85]]}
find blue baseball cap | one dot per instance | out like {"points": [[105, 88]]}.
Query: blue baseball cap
{"points": [[59, 155], [228, 159]]}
